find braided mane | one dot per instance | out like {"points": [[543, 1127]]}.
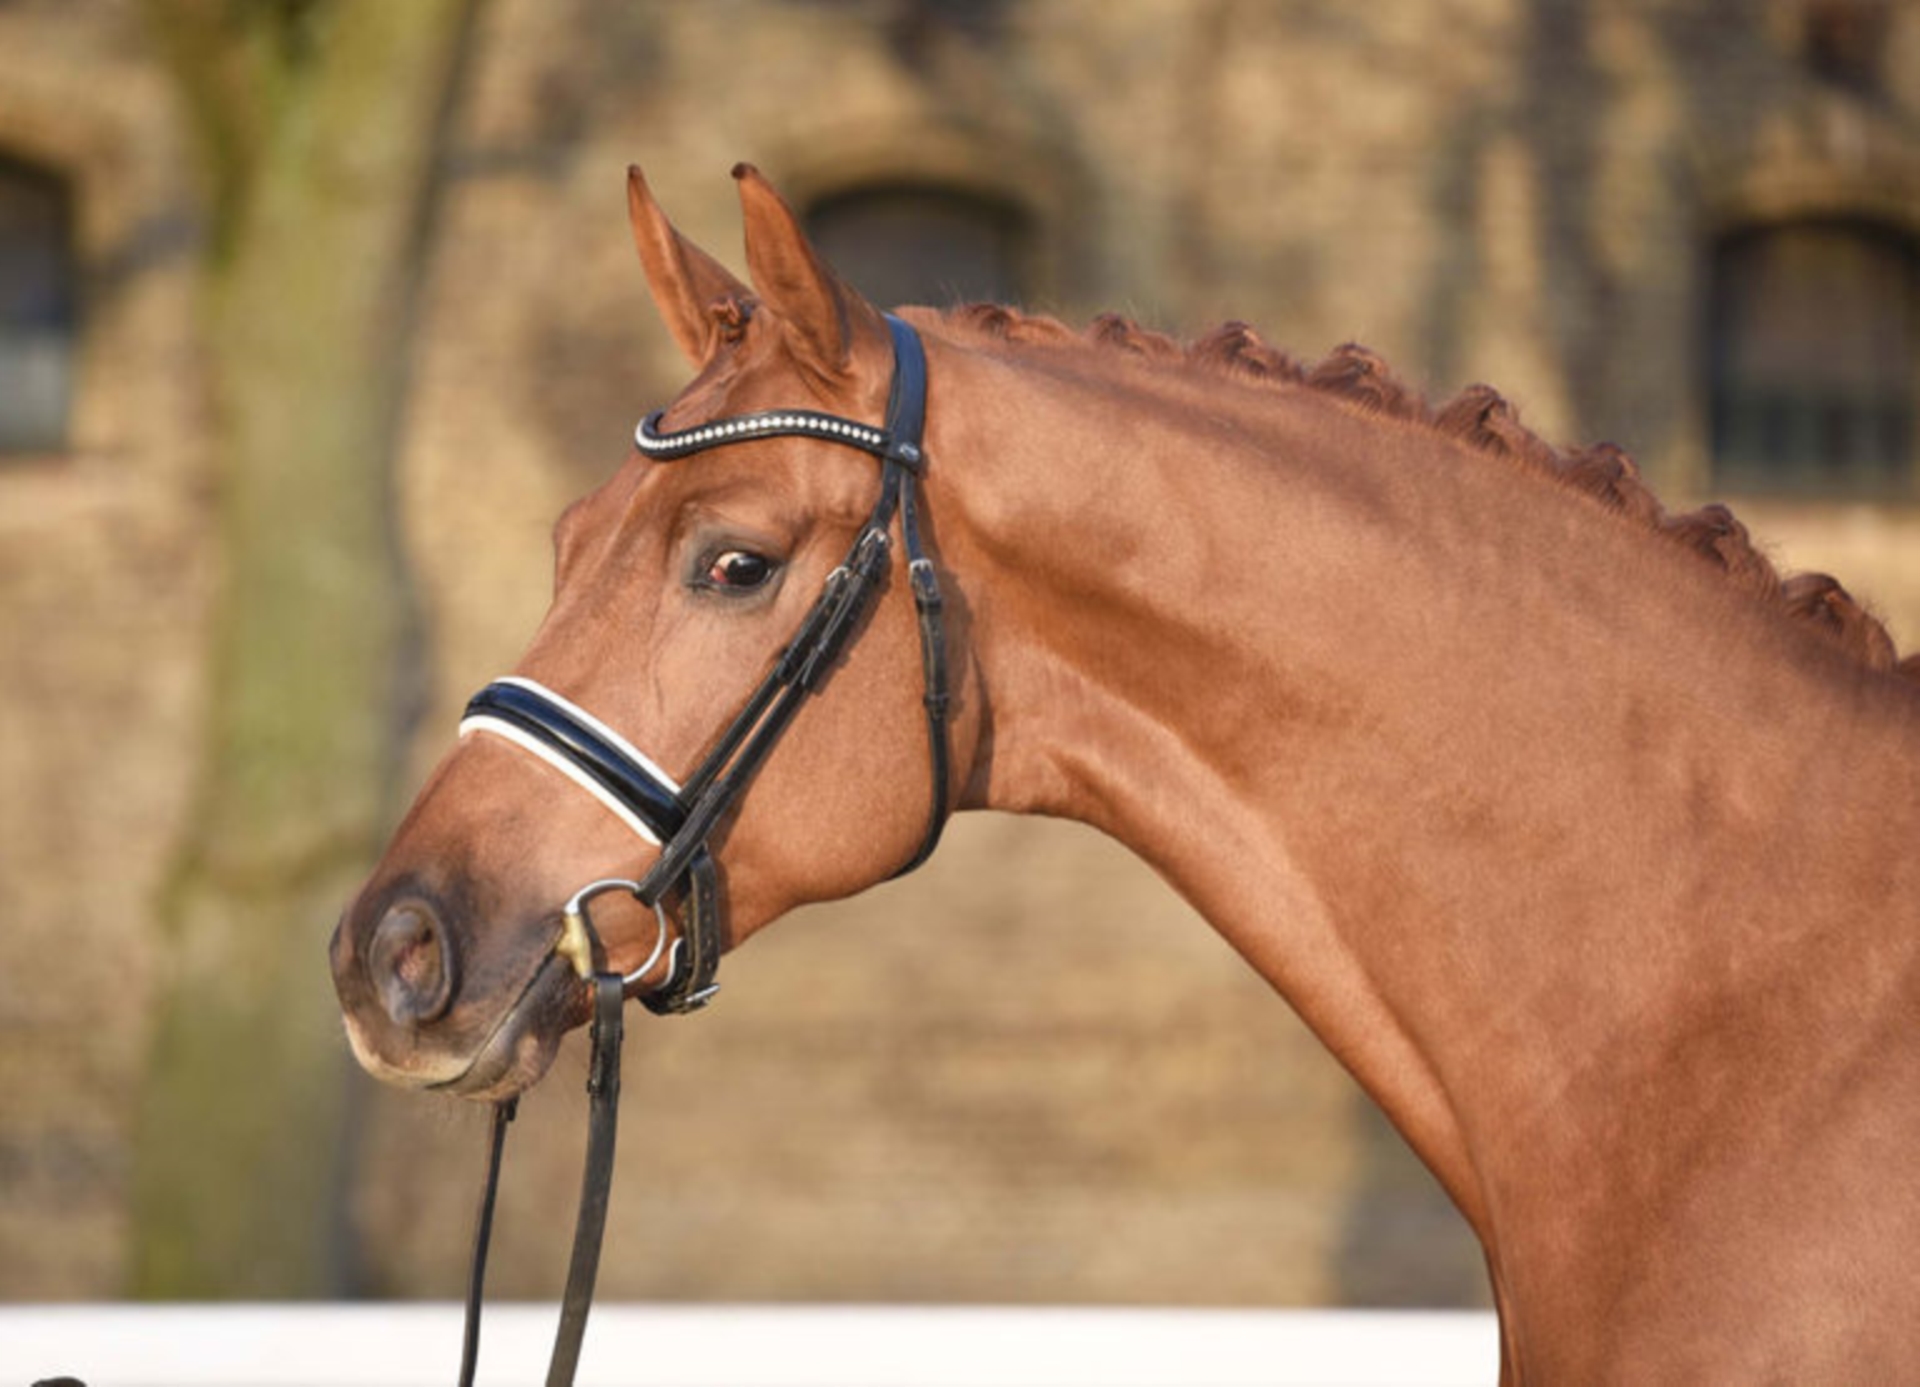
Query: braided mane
{"points": [[1481, 418]]}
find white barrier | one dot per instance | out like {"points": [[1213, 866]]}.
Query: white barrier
{"points": [[400, 1345]]}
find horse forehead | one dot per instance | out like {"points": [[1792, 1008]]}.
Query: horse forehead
{"points": [[782, 486]]}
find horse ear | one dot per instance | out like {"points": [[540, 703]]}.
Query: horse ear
{"points": [[821, 315], [685, 280]]}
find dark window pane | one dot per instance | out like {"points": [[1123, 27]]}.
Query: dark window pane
{"points": [[1815, 360], [1845, 41], [36, 309], [923, 245]]}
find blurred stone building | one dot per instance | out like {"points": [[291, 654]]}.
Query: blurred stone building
{"points": [[1027, 1073]]}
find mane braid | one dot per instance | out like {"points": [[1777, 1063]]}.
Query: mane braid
{"points": [[1483, 420]]}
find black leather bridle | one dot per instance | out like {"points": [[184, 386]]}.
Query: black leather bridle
{"points": [[681, 818]]}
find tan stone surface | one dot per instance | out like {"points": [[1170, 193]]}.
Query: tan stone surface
{"points": [[103, 591]]}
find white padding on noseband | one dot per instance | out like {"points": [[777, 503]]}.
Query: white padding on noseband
{"points": [[506, 731]]}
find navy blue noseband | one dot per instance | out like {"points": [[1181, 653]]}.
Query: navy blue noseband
{"points": [[590, 752]]}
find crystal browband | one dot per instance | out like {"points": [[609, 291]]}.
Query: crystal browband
{"points": [[771, 424]]}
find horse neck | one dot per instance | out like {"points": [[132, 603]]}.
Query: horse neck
{"points": [[1416, 730]]}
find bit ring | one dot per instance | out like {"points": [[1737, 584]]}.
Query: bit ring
{"points": [[577, 935]]}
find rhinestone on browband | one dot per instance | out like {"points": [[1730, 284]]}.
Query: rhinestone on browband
{"points": [[665, 446]]}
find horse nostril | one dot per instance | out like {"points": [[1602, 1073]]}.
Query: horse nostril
{"points": [[411, 965]]}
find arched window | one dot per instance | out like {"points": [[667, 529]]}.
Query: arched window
{"points": [[900, 243], [1814, 360], [37, 309]]}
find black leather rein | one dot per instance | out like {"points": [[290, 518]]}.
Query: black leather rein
{"points": [[680, 818]]}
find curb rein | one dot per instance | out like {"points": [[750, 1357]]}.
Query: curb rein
{"points": [[680, 818]]}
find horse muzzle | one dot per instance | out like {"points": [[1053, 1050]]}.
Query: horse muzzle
{"points": [[421, 1014]]}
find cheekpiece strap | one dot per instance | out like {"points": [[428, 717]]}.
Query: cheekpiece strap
{"points": [[906, 399], [689, 984]]}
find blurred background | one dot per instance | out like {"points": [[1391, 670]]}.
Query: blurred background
{"points": [[314, 314]]}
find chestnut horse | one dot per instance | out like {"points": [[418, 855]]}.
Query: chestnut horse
{"points": [[1586, 842]]}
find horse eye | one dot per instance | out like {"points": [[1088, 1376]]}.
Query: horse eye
{"points": [[739, 570]]}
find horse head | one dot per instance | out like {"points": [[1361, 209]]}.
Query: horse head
{"points": [[698, 602]]}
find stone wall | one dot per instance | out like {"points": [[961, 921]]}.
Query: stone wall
{"points": [[104, 585], [1027, 1073]]}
